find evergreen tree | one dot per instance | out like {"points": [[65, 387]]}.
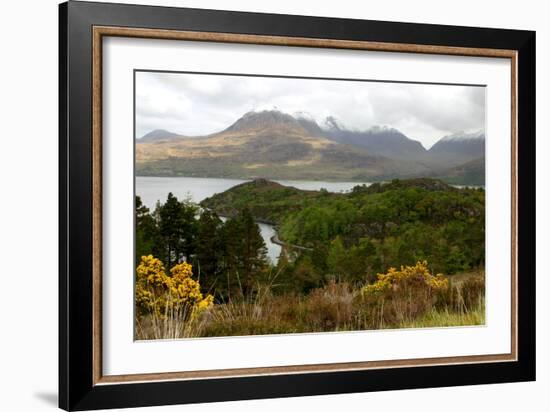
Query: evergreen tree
{"points": [[209, 250], [147, 234], [178, 229], [245, 252], [337, 259]]}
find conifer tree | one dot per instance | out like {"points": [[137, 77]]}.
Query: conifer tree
{"points": [[147, 234], [178, 229], [209, 249]]}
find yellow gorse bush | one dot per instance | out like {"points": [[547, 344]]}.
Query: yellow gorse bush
{"points": [[394, 279], [404, 294], [162, 294]]}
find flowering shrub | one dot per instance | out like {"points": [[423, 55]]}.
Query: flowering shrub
{"points": [[395, 279], [176, 295], [401, 295]]}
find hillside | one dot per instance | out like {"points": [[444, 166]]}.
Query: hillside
{"points": [[268, 144], [158, 135], [275, 145], [471, 173], [426, 237], [268, 201], [384, 141], [458, 148], [403, 221]]}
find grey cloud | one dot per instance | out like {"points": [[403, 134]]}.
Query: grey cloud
{"points": [[198, 104]]}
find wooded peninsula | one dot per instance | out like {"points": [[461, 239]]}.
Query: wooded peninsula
{"points": [[405, 253]]}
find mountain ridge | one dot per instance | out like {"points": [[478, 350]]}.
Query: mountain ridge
{"points": [[158, 135], [274, 144]]}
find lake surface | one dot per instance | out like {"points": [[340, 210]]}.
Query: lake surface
{"points": [[153, 189]]}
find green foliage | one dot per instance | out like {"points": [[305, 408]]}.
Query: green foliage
{"points": [[401, 225], [354, 236], [245, 253], [347, 237], [267, 201], [335, 245], [302, 276], [147, 233], [209, 248], [177, 228], [228, 258]]}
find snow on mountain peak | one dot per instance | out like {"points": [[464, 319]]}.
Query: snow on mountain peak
{"points": [[304, 115], [476, 135]]}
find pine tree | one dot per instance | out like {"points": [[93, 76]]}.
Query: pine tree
{"points": [[178, 229], [147, 234], [337, 258], [209, 250], [254, 257], [245, 252]]}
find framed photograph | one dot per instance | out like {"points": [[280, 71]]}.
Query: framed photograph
{"points": [[256, 205]]}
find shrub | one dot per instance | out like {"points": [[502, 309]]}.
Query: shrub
{"points": [[329, 308], [172, 303], [401, 295]]}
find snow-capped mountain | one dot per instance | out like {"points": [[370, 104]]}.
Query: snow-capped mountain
{"points": [[459, 147], [380, 140]]}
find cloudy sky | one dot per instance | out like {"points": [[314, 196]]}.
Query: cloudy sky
{"points": [[199, 104]]}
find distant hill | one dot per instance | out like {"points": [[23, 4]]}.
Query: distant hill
{"points": [[271, 201], [158, 135], [268, 144], [268, 201], [383, 141], [276, 145], [458, 148], [471, 173]]}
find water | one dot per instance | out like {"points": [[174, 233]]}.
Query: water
{"points": [[153, 189], [196, 189], [273, 249], [334, 187]]}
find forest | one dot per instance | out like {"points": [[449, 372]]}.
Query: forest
{"points": [[406, 253]]}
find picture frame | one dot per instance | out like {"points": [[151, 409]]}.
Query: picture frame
{"points": [[83, 385]]}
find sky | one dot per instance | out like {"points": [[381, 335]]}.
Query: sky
{"points": [[201, 104]]}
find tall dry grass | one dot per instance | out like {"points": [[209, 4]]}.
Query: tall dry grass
{"points": [[338, 306], [174, 322]]}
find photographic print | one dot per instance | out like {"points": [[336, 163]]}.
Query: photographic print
{"points": [[273, 205], [241, 193]]}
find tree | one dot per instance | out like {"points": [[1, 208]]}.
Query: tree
{"points": [[178, 229], [305, 277], [147, 234], [209, 249], [245, 253], [337, 258]]}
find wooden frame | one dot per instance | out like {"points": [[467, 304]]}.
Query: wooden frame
{"points": [[82, 27]]}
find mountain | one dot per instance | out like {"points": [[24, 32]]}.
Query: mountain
{"points": [[276, 145], [458, 148], [269, 144], [308, 122], [158, 135], [267, 119], [380, 140], [471, 173]]}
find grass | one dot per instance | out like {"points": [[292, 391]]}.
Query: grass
{"points": [[445, 318], [332, 308]]}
